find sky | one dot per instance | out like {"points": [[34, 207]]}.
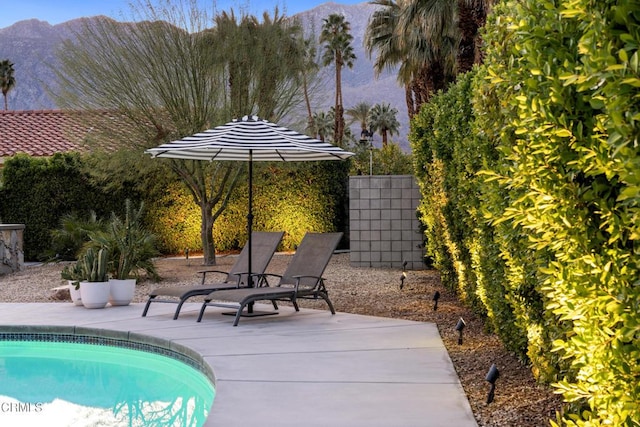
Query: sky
{"points": [[57, 11]]}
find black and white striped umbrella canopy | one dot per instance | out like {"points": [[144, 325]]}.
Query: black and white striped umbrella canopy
{"points": [[250, 139]]}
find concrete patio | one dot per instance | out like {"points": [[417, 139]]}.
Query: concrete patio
{"points": [[295, 369]]}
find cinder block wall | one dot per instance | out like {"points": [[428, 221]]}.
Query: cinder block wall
{"points": [[384, 229]]}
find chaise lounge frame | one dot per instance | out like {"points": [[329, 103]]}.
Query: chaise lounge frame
{"points": [[264, 245], [301, 280]]}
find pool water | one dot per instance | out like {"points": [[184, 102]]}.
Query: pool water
{"points": [[71, 384]]}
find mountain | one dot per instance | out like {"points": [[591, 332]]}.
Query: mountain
{"points": [[32, 45]]}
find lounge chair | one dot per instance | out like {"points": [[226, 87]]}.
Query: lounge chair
{"points": [[302, 279], [263, 246]]}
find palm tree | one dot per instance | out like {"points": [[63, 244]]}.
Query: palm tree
{"points": [[451, 31], [7, 80], [473, 16], [381, 35], [310, 68], [382, 119], [323, 124], [431, 40], [360, 113], [281, 41], [435, 43], [338, 51]]}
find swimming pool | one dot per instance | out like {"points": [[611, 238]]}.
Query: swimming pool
{"points": [[49, 381]]}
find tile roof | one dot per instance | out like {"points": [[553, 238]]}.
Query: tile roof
{"points": [[40, 132]]}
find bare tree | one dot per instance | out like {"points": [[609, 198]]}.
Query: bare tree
{"points": [[169, 78]]}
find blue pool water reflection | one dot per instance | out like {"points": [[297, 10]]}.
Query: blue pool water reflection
{"points": [[71, 384]]}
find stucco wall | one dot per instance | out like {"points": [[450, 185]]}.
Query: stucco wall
{"points": [[11, 248]]}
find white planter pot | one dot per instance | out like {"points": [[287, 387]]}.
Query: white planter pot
{"points": [[75, 294], [122, 291], [94, 294]]}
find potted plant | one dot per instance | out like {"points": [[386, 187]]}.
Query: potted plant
{"points": [[94, 287], [73, 274], [131, 248]]}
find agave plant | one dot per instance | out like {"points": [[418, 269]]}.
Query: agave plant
{"points": [[74, 273], [131, 246], [94, 265]]}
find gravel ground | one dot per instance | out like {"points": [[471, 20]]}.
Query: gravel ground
{"points": [[519, 400]]}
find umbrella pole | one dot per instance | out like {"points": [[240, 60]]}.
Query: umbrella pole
{"points": [[250, 224]]}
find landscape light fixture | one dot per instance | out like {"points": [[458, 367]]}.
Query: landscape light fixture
{"points": [[492, 377], [366, 137], [459, 327], [436, 297], [404, 274]]}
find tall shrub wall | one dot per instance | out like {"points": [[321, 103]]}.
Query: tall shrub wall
{"points": [[38, 191], [449, 154], [292, 197], [565, 78], [295, 198], [532, 196]]}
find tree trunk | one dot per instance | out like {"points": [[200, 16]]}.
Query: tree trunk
{"points": [[337, 131], [472, 17], [307, 101], [206, 234], [408, 96]]}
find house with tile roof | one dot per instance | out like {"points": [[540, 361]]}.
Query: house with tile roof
{"points": [[40, 133]]}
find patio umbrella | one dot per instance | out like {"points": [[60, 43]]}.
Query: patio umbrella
{"points": [[250, 139]]}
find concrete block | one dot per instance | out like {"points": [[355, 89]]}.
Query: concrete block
{"points": [[407, 214]]}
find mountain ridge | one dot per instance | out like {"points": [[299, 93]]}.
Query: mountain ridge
{"points": [[31, 45]]}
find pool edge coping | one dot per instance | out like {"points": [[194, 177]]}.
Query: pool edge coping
{"points": [[123, 339]]}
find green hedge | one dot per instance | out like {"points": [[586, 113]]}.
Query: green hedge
{"points": [[532, 196], [449, 153], [294, 197], [38, 191]]}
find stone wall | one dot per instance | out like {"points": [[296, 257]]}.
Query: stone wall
{"points": [[384, 229], [11, 248]]}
